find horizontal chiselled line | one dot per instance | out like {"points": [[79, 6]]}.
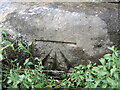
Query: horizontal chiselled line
{"points": [[56, 41]]}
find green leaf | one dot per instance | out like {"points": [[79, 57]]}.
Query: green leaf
{"points": [[97, 83], [21, 77], [81, 77], [95, 69], [26, 85], [88, 66], [29, 63], [29, 80], [22, 47], [40, 85], [78, 82], [102, 60], [108, 56], [26, 61], [111, 48], [4, 34], [48, 86], [12, 45], [104, 81], [9, 81], [103, 73], [89, 79], [1, 57], [104, 85], [112, 71], [4, 48], [116, 53], [7, 42], [116, 75], [63, 76], [29, 43], [111, 81]]}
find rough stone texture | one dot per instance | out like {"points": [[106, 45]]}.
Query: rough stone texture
{"points": [[65, 34]]}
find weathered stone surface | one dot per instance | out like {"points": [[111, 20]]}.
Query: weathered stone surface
{"points": [[65, 34]]}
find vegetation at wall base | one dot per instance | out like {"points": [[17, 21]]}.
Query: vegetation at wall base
{"points": [[21, 72]]}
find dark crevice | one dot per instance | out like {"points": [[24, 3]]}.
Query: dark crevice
{"points": [[46, 58], [55, 62], [66, 61]]}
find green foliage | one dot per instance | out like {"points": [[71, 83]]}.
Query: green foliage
{"points": [[1, 57], [24, 76], [2, 41], [105, 75], [22, 47]]}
